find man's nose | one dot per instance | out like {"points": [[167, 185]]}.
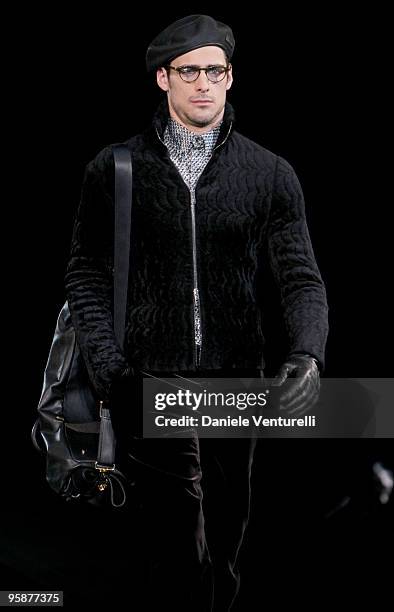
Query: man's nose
{"points": [[202, 82]]}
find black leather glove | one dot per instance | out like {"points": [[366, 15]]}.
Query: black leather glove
{"points": [[302, 393]]}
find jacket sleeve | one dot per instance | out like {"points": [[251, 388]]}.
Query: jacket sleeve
{"points": [[89, 279], [303, 294]]}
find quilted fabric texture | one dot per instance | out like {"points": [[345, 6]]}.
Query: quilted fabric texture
{"points": [[249, 205]]}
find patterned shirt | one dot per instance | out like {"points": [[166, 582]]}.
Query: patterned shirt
{"points": [[190, 152]]}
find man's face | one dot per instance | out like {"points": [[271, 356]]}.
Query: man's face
{"points": [[199, 104]]}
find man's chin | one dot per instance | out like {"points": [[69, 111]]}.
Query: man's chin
{"points": [[201, 121]]}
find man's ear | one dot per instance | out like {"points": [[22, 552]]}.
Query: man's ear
{"points": [[162, 79], [229, 77]]}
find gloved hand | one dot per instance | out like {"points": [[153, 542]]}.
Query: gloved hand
{"points": [[299, 395]]}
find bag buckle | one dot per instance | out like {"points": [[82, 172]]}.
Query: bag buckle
{"points": [[104, 468]]}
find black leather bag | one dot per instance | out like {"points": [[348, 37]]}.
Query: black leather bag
{"points": [[74, 429]]}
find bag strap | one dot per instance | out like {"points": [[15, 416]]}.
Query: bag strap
{"points": [[123, 201]]}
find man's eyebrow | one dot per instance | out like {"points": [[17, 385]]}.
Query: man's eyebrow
{"points": [[198, 65]]}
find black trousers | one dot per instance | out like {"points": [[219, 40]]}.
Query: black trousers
{"points": [[194, 503]]}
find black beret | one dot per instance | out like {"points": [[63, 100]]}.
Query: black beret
{"points": [[185, 35]]}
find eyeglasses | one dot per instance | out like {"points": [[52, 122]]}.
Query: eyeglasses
{"points": [[215, 74]]}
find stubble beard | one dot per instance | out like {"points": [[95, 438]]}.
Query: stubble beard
{"points": [[202, 122], [192, 119]]}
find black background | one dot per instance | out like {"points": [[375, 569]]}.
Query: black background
{"points": [[308, 85]]}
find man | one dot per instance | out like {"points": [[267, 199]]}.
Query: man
{"points": [[207, 204]]}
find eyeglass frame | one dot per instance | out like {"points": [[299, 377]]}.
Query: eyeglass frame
{"points": [[198, 69]]}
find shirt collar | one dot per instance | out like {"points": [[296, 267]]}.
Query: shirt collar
{"points": [[185, 140]]}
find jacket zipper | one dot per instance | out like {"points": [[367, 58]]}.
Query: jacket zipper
{"points": [[196, 294], [198, 336]]}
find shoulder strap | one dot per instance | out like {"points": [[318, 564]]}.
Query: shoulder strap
{"points": [[123, 202]]}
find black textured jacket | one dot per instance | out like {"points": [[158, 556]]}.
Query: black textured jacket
{"points": [[248, 202]]}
